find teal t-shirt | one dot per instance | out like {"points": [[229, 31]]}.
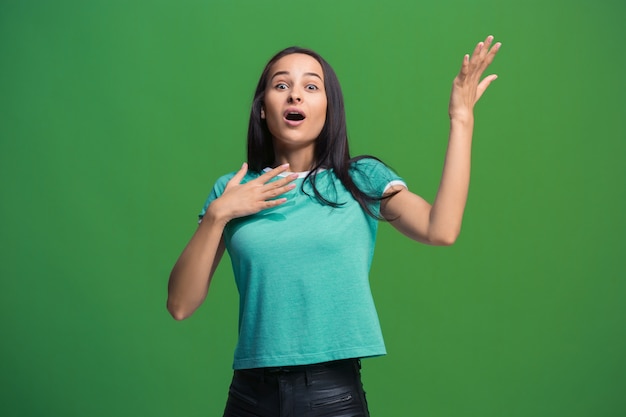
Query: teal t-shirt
{"points": [[302, 271]]}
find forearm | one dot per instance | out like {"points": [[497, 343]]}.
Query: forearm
{"points": [[446, 214], [440, 224], [191, 276]]}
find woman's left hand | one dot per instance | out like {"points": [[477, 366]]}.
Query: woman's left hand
{"points": [[440, 224], [467, 86]]}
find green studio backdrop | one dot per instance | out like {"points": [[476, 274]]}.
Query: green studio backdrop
{"points": [[116, 117]]}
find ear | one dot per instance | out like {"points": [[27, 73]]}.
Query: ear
{"points": [[262, 112]]}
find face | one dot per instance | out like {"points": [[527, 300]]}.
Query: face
{"points": [[294, 105]]}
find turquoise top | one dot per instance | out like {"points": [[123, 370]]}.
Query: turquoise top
{"points": [[302, 273]]}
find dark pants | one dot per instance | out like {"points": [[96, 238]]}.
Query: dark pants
{"points": [[329, 389]]}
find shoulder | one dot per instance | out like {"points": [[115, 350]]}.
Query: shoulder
{"points": [[370, 166], [365, 162], [221, 181], [220, 185], [372, 175]]}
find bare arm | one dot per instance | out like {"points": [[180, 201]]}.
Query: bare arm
{"points": [[191, 276], [440, 224]]}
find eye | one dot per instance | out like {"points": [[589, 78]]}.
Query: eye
{"points": [[312, 87], [281, 86]]}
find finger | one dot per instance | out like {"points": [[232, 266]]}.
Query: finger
{"points": [[273, 203], [283, 181], [239, 175], [465, 65], [273, 173], [477, 50], [274, 193], [275, 188], [487, 43], [486, 57], [492, 52], [484, 84], [484, 49]]}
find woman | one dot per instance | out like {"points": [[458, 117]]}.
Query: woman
{"points": [[299, 223]]}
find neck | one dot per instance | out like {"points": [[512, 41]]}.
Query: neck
{"points": [[299, 160]]}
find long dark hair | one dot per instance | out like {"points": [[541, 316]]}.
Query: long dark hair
{"points": [[331, 146]]}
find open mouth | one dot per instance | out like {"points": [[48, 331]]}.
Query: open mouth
{"points": [[294, 116]]}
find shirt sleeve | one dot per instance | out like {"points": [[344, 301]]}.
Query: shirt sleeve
{"points": [[374, 177], [216, 191]]}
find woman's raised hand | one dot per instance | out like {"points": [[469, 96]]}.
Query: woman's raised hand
{"points": [[239, 200], [467, 86]]}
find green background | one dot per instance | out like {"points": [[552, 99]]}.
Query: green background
{"points": [[117, 116]]}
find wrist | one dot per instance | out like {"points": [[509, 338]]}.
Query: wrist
{"points": [[215, 214], [462, 119]]}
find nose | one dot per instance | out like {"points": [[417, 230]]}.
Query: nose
{"points": [[294, 97]]}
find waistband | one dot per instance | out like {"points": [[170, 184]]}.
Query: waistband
{"points": [[354, 363], [339, 370]]}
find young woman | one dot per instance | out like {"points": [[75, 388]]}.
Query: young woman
{"points": [[299, 222]]}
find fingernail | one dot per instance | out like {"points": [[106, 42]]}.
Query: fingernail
{"points": [[285, 165]]}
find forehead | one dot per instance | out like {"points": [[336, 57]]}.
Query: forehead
{"points": [[297, 64]]}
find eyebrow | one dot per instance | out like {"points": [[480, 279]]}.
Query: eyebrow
{"points": [[312, 74]]}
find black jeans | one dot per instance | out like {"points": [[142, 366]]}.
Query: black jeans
{"points": [[329, 389]]}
